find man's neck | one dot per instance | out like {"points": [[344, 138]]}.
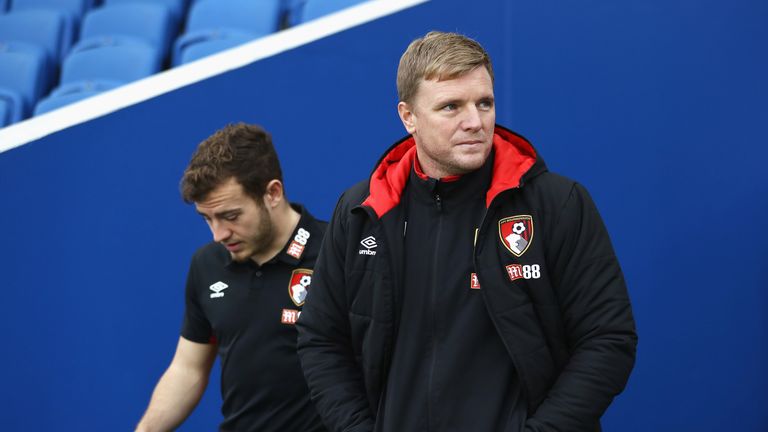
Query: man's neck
{"points": [[284, 221], [435, 175]]}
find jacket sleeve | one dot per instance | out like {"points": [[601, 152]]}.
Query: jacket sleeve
{"points": [[324, 345], [597, 317]]}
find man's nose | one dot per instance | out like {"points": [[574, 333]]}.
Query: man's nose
{"points": [[471, 120], [220, 231]]}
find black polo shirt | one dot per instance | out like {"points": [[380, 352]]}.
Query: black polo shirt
{"points": [[249, 311]]}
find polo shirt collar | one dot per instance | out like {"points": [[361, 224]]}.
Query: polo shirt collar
{"points": [[293, 250], [298, 243]]}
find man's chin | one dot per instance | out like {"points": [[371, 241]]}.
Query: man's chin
{"points": [[469, 164], [239, 256]]}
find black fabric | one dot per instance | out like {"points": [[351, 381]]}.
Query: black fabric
{"points": [[561, 307], [262, 386], [450, 370]]}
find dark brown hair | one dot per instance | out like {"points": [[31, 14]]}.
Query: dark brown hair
{"points": [[242, 151]]}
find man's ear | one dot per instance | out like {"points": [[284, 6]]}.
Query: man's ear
{"points": [[407, 117], [273, 194]]}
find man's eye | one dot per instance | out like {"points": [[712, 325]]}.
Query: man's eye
{"points": [[231, 217], [486, 105], [449, 107]]}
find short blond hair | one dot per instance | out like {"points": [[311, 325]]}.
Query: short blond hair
{"points": [[441, 56]]}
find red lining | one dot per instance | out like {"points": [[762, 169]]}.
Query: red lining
{"points": [[513, 158], [389, 178]]}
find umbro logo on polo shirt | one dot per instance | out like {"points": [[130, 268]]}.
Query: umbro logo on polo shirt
{"points": [[217, 289], [369, 243]]}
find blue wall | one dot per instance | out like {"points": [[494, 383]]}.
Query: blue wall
{"points": [[658, 107]]}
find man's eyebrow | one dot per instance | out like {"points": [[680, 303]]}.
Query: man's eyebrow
{"points": [[223, 213], [459, 100], [448, 101], [489, 97], [228, 212]]}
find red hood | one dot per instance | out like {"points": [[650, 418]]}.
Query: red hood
{"points": [[514, 157]]}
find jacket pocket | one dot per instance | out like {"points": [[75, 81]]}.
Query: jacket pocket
{"points": [[525, 339]]}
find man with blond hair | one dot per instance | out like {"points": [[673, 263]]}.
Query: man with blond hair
{"points": [[244, 292], [463, 286]]}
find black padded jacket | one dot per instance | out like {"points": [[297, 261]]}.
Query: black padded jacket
{"points": [[554, 291]]}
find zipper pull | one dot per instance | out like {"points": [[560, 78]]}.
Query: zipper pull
{"points": [[439, 202]]}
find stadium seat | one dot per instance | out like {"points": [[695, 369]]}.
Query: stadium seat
{"points": [[42, 27], [260, 17], [291, 12], [316, 8], [76, 8], [11, 106], [202, 43], [177, 8], [71, 10], [23, 72], [4, 112], [73, 92], [151, 22], [110, 58]]}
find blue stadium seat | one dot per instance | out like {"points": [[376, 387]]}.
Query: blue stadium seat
{"points": [[4, 112], [73, 92], [151, 22], [71, 10], [76, 8], [110, 58], [23, 72], [291, 11], [316, 8], [11, 105], [202, 43], [178, 8], [260, 17], [35, 26]]}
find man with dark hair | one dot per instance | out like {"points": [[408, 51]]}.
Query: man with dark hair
{"points": [[464, 287], [244, 292]]}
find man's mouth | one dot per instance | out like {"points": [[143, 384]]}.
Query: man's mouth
{"points": [[471, 142]]}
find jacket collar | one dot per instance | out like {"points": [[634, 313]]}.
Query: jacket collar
{"points": [[515, 161]]}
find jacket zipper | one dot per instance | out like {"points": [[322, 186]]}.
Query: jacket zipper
{"points": [[433, 301]]}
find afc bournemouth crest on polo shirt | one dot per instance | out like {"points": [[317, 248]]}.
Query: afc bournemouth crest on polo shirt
{"points": [[516, 233], [299, 285]]}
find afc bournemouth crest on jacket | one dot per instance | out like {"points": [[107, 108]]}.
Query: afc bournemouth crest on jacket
{"points": [[516, 233], [299, 284]]}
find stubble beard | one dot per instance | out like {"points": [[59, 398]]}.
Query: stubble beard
{"points": [[260, 242]]}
